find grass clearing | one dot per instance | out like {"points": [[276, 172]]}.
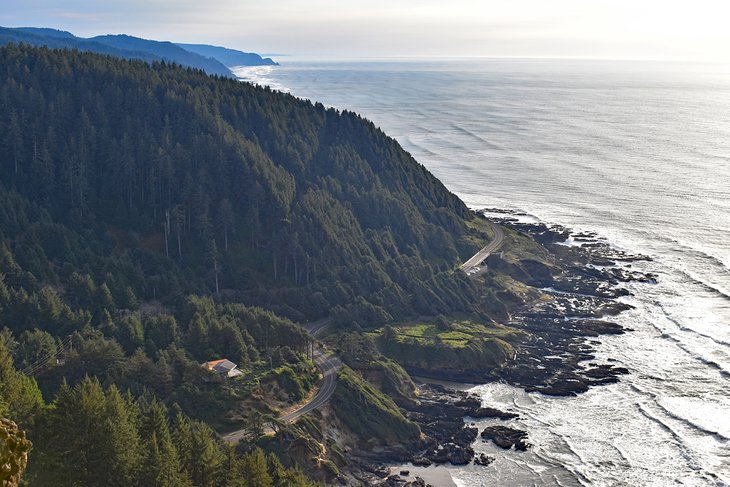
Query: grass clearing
{"points": [[454, 334]]}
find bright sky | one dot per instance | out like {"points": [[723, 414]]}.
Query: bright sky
{"points": [[656, 29]]}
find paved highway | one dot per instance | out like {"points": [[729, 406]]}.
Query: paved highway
{"points": [[328, 365], [471, 265]]}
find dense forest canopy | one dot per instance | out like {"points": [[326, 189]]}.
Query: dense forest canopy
{"points": [[171, 180]]}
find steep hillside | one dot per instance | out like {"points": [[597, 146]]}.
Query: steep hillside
{"points": [[213, 185], [148, 215]]}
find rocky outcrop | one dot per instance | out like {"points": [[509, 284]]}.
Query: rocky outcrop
{"points": [[562, 331], [506, 437], [480, 359], [397, 481], [487, 412], [557, 332], [484, 460], [453, 454], [14, 449]]}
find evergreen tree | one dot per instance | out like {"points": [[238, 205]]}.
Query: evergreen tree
{"points": [[182, 438], [35, 347], [212, 256], [206, 457], [77, 442], [256, 470], [226, 220], [20, 398], [120, 449], [123, 210]]}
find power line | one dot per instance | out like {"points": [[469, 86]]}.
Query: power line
{"points": [[49, 355], [44, 360]]}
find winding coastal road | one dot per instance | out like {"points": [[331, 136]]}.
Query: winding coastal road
{"points": [[471, 266], [328, 365]]}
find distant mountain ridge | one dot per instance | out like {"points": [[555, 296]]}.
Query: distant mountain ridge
{"points": [[165, 50], [229, 57], [47, 31], [213, 60], [58, 41]]}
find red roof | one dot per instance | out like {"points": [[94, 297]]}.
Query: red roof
{"points": [[213, 363]]}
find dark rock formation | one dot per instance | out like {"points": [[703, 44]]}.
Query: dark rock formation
{"points": [[487, 412], [484, 460], [562, 330], [454, 454], [506, 437]]}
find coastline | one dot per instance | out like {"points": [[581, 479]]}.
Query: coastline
{"points": [[621, 192], [558, 358]]}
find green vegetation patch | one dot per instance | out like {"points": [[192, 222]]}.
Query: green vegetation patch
{"points": [[360, 352], [457, 334], [448, 346], [296, 380], [369, 413]]}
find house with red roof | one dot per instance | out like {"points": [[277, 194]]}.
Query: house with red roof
{"points": [[223, 367]]}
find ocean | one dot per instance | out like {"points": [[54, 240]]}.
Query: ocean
{"points": [[637, 152]]}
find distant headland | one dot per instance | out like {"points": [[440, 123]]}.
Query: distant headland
{"points": [[213, 60]]}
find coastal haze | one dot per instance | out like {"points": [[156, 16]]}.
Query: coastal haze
{"points": [[650, 29], [638, 153]]}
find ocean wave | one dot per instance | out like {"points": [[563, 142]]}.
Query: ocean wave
{"points": [[644, 212], [678, 439], [545, 476], [683, 346], [714, 260], [692, 463], [723, 371], [713, 288], [685, 328], [700, 358], [716, 340], [475, 136], [621, 453], [524, 465], [695, 426], [260, 75]]}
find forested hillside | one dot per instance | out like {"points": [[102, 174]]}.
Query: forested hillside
{"points": [[153, 218], [173, 181]]}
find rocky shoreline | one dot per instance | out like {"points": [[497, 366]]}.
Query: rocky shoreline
{"points": [[556, 358], [448, 438]]}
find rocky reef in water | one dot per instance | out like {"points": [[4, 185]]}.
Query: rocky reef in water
{"points": [[557, 355]]}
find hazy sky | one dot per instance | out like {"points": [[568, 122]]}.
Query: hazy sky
{"points": [[659, 29]]}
